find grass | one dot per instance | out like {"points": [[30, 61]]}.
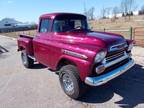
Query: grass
{"points": [[134, 21], [123, 26]]}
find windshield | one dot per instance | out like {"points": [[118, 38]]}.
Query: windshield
{"points": [[68, 24]]}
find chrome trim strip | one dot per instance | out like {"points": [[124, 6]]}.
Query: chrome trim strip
{"points": [[100, 80], [71, 53], [32, 57]]}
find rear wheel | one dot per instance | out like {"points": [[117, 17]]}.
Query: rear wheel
{"points": [[26, 60], [71, 82]]}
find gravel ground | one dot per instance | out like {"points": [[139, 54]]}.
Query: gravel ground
{"points": [[40, 88]]}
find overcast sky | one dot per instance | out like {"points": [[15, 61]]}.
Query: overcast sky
{"points": [[30, 10]]}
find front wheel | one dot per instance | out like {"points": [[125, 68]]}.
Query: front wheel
{"points": [[26, 60], [71, 82]]}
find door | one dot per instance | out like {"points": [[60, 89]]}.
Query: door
{"points": [[42, 42]]}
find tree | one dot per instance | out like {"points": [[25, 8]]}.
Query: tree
{"points": [[89, 13], [103, 12], [85, 9], [127, 7], [141, 12], [142, 8], [108, 11], [115, 11]]}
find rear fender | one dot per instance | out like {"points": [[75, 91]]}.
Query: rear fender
{"points": [[25, 44]]}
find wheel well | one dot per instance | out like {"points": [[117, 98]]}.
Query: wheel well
{"points": [[64, 62]]}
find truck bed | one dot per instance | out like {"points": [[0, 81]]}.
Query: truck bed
{"points": [[25, 42], [26, 36]]}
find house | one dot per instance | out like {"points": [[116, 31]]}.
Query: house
{"points": [[117, 15], [10, 25], [136, 13]]}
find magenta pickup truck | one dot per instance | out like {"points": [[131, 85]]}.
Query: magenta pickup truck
{"points": [[80, 57]]}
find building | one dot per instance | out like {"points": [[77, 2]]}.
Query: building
{"points": [[11, 25], [136, 13]]}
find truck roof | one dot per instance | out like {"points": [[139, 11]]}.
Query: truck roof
{"points": [[53, 15]]}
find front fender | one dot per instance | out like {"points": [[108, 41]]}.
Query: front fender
{"points": [[84, 67]]}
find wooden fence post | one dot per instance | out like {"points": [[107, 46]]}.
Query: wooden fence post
{"points": [[134, 29], [131, 32], [104, 29]]}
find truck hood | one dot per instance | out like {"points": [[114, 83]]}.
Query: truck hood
{"points": [[108, 39], [93, 39]]}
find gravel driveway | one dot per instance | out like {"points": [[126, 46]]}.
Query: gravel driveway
{"points": [[40, 88]]}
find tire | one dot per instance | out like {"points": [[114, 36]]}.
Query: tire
{"points": [[70, 82], [27, 61]]}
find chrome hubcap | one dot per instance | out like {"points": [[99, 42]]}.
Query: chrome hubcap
{"points": [[68, 84]]}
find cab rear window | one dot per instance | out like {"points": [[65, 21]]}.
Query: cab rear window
{"points": [[44, 26]]}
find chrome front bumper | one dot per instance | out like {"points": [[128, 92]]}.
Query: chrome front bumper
{"points": [[100, 80]]}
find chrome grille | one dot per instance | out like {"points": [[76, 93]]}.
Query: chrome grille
{"points": [[115, 56]]}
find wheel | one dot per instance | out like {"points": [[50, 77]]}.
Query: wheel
{"points": [[27, 61], [71, 82]]}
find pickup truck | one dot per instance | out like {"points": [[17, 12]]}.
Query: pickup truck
{"points": [[80, 57]]}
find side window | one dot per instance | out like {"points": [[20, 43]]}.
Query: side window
{"points": [[44, 26], [77, 23]]}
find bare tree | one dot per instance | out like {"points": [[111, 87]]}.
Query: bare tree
{"points": [[142, 8], [85, 9], [104, 12], [141, 11], [128, 6], [124, 6], [115, 11], [108, 10], [91, 13]]}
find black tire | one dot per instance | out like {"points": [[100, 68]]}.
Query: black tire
{"points": [[78, 86], [27, 61]]}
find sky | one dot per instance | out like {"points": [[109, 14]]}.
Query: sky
{"points": [[30, 10]]}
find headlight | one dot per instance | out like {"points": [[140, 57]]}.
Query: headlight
{"points": [[100, 56], [130, 47]]}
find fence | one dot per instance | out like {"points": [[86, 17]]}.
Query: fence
{"points": [[139, 36], [17, 33], [136, 34], [16, 29]]}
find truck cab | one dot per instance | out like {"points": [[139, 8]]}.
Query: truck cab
{"points": [[81, 57]]}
